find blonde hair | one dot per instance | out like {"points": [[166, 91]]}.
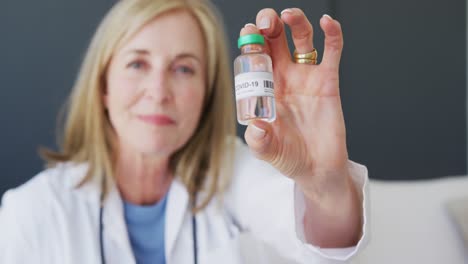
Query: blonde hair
{"points": [[88, 135]]}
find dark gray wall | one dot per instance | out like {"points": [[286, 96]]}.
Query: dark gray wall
{"points": [[403, 85], [403, 78], [41, 45]]}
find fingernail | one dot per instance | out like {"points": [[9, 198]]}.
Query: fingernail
{"points": [[264, 23], [287, 10], [250, 25], [325, 15], [257, 132]]}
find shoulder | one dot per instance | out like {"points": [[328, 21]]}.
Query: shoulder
{"points": [[30, 211], [36, 196], [50, 182]]}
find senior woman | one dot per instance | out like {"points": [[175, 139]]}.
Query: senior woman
{"points": [[150, 170]]}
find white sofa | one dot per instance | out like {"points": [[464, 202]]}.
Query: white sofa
{"points": [[411, 223]]}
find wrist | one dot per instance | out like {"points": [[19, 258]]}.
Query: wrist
{"points": [[327, 186]]}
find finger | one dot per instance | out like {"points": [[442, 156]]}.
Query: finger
{"points": [[252, 29], [333, 42], [249, 29], [301, 29], [272, 27], [259, 137]]}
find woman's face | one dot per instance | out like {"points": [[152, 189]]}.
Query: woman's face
{"points": [[156, 85]]}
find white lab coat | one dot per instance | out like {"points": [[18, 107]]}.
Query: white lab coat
{"points": [[258, 220]]}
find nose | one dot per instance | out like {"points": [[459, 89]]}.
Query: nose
{"points": [[157, 86]]}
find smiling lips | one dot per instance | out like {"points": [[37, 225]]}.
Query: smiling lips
{"points": [[158, 120]]}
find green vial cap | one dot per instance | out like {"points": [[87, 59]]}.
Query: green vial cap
{"points": [[250, 39]]}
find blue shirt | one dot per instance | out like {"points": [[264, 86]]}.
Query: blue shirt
{"points": [[145, 226]]}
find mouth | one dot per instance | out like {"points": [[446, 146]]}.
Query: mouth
{"points": [[157, 120]]}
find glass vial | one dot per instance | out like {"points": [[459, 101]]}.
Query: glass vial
{"points": [[254, 88]]}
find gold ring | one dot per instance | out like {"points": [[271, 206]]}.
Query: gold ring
{"points": [[306, 58], [309, 55], [305, 61]]}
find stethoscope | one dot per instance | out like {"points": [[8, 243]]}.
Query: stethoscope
{"points": [[101, 234]]}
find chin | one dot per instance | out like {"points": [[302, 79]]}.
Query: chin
{"points": [[157, 146], [154, 143]]}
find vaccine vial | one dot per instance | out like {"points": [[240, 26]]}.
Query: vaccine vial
{"points": [[254, 88]]}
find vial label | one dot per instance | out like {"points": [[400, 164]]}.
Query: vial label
{"points": [[250, 84]]}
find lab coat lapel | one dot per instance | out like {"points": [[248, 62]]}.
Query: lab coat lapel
{"points": [[118, 248], [176, 209]]}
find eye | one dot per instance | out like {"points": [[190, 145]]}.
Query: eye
{"points": [[184, 70], [137, 65]]}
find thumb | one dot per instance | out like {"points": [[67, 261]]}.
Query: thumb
{"points": [[259, 136]]}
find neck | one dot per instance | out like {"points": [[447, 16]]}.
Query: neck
{"points": [[143, 179]]}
